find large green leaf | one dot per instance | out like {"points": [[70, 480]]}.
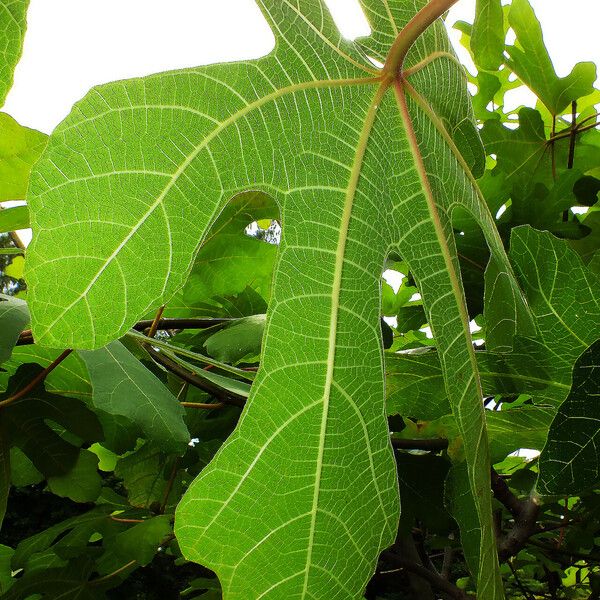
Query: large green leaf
{"points": [[123, 386], [529, 59], [20, 147], [570, 461], [12, 31], [360, 161]]}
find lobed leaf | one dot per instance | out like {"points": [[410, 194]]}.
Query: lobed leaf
{"points": [[529, 60], [360, 162]]}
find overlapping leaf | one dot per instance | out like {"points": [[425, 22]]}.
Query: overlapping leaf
{"points": [[359, 162], [123, 386], [570, 462], [529, 59], [563, 295], [14, 317], [20, 147]]}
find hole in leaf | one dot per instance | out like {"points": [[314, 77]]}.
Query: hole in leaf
{"points": [[376, 63], [349, 18]]}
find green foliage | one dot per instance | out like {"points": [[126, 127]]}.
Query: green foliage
{"points": [[12, 32], [570, 462], [20, 147], [210, 242]]}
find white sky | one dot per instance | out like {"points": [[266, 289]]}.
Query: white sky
{"points": [[72, 45]]}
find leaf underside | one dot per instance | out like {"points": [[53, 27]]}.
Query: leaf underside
{"points": [[303, 496], [570, 461]]}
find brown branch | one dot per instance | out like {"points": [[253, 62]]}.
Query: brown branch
{"points": [[573, 135], [118, 571], [432, 578], [169, 486], [567, 553], [524, 513], [152, 329], [37, 380], [193, 379], [432, 445], [26, 336]]}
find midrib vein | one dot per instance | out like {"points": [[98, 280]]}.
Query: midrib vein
{"points": [[435, 217], [190, 158], [335, 303], [482, 502]]}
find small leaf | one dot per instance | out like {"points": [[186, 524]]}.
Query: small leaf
{"points": [[91, 521], [20, 147], [123, 386], [67, 583], [14, 317], [14, 218], [6, 579], [570, 461], [141, 542], [4, 476], [487, 38], [229, 262], [22, 471], [238, 342], [145, 474], [529, 59], [82, 483]]}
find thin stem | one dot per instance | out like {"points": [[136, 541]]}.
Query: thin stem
{"points": [[411, 32], [37, 380], [203, 405], [17, 241], [567, 134], [169, 487], [12, 251], [164, 324], [113, 574], [594, 116], [120, 520], [434, 579], [146, 341], [152, 330], [194, 380], [552, 149], [573, 135], [527, 593], [433, 444], [562, 552]]}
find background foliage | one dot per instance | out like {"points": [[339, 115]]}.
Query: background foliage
{"points": [[98, 446]]}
